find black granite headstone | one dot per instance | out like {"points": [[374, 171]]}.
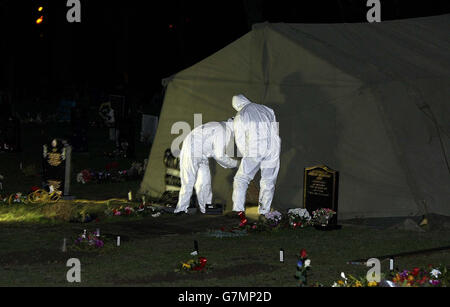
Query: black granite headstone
{"points": [[320, 190]]}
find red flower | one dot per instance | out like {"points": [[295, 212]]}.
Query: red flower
{"points": [[244, 220], [243, 223], [201, 266], [415, 272], [86, 175], [303, 254], [423, 280], [34, 188]]}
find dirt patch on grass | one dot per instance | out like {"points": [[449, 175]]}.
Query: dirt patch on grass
{"points": [[172, 225], [219, 273]]}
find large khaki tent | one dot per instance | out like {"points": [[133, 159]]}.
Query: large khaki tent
{"points": [[369, 100]]}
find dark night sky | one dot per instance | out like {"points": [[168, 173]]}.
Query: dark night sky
{"points": [[145, 40]]}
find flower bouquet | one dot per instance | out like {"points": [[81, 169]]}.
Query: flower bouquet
{"points": [[303, 265], [270, 221], [273, 218], [89, 242], [84, 176], [128, 211], [353, 282], [322, 217], [299, 218], [15, 199], [431, 277], [193, 265]]}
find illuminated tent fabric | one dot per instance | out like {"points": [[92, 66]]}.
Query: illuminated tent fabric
{"points": [[355, 97]]}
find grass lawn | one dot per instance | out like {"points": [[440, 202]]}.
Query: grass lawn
{"points": [[152, 248]]}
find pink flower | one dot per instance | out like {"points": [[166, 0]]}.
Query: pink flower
{"points": [[435, 282]]}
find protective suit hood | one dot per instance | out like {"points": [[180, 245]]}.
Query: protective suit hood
{"points": [[240, 102]]}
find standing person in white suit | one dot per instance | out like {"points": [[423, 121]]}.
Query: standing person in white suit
{"points": [[257, 138], [204, 142]]}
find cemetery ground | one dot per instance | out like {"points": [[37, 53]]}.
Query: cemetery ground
{"points": [[152, 248]]}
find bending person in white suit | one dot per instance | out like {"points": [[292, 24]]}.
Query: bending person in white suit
{"points": [[257, 138], [204, 142]]}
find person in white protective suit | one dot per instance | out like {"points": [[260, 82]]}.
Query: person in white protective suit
{"points": [[207, 141], [257, 139]]}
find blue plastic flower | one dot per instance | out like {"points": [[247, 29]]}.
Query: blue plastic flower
{"points": [[300, 264]]}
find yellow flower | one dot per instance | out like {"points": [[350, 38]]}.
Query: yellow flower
{"points": [[340, 282], [410, 278], [372, 284], [186, 266], [358, 284]]}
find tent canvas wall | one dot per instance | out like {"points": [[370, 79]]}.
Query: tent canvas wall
{"points": [[369, 100]]}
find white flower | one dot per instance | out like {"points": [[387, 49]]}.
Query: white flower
{"points": [[194, 253], [435, 273], [335, 285], [343, 276], [274, 216], [307, 263], [80, 178], [156, 215], [299, 213]]}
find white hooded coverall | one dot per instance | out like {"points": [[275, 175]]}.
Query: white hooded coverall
{"points": [[257, 138], [204, 142]]}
